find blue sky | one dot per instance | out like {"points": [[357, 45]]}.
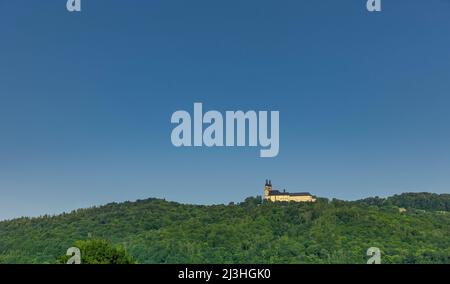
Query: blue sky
{"points": [[86, 99]]}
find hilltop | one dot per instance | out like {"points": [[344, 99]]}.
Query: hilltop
{"points": [[408, 228]]}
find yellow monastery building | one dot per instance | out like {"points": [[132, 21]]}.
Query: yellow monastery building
{"points": [[276, 195]]}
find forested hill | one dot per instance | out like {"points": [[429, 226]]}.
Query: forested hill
{"points": [[422, 200], [158, 231]]}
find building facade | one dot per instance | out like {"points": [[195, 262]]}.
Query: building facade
{"points": [[276, 195]]}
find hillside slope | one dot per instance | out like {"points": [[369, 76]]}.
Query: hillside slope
{"points": [[157, 231]]}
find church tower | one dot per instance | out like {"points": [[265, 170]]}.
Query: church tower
{"points": [[283, 196], [267, 189]]}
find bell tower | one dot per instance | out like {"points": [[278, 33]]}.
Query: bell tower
{"points": [[267, 189]]}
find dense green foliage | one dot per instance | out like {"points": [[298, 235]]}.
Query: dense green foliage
{"points": [[96, 251], [422, 200], [157, 231]]}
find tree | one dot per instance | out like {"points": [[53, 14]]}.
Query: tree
{"points": [[98, 251]]}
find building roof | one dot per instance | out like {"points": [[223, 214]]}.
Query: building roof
{"points": [[277, 192]]}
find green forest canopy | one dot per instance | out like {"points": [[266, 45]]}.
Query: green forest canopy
{"points": [[158, 231]]}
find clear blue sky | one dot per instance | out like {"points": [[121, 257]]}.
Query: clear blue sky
{"points": [[86, 99]]}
